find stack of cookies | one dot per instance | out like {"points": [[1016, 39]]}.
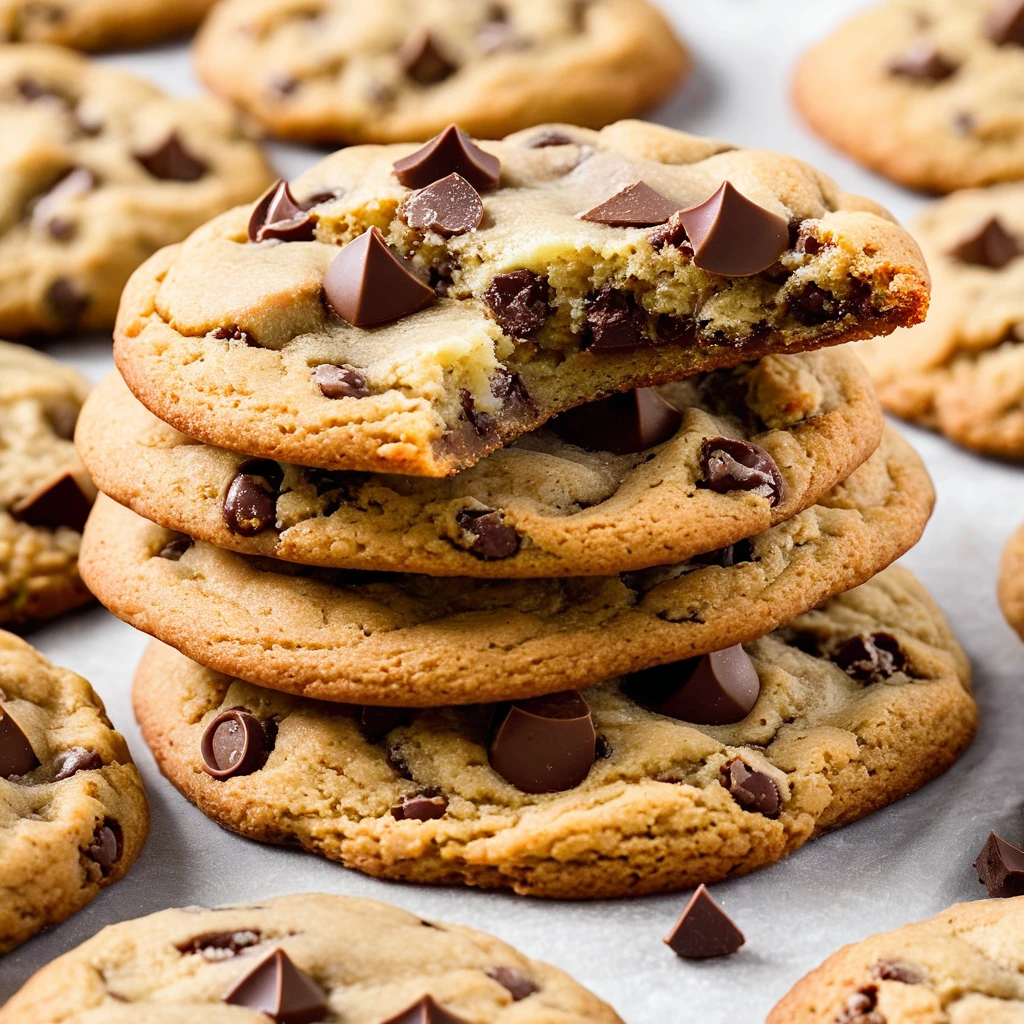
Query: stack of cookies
{"points": [[505, 521]]}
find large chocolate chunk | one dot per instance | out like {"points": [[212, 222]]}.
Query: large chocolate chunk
{"points": [[733, 236], [635, 206], [452, 151], [450, 206], [490, 537], [752, 790], [66, 302], [1005, 25], [704, 930], [367, 284], [75, 760], [870, 658], [622, 424], [107, 846], [922, 61], [425, 1011], [250, 505], [60, 501], [277, 988], [278, 215], [234, 743], [340, 381], [419, 808], [988, 244], [16, 754], [545, 745], [729, 464], [518, 301], [615, 320], [519, 984], [423, 59], [170, 160], [1000, 867]]}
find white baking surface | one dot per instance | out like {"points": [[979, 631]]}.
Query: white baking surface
{"points": [[904, 863]]}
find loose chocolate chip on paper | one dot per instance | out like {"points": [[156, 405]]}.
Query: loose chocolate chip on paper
{"points": [[988, 244], [871, 658], [170, 160], [546, 744], [637, 205], [704, 930], [425, 1011], [174, 549], [75, 760], [1005, 25], [615, 320], [622, 424], [340, 381], [107, 845], [752, 790], [1000, 867], [59, 501], [519, 984], [490, 537], [367, 284], [519, 302], [66, 301], [235, 743], [729, 464], [250, 505], [16, 754], [423, 59], [216, 946], [419, 808], [278, 215], [922, 61], [281, 991], [450, 206], [452, 151]]}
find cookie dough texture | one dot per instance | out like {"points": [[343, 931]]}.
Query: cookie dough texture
{"points": [[65, 255], [219, 336], [47, 826], [962, 371], [421, 641], [576, 512], [371, 959], [337, 69], [1011, 581], [963, 966], [39, 403], [651, 816], [942, 132], [98, 24]]}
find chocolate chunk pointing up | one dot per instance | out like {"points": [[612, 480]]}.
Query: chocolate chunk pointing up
{"points": [[923, 61], [425, 1011], [278, 215], [1000, 867], [423, 60], [367, 284], [234, 743], [729, 464], [635, 206], [453, 151], [16, 754], [622, 424], [450, 206], [732, 235], [60, 501], [704, 930], [277, 988], [988, 245], [1006, 23], [169, 160]]}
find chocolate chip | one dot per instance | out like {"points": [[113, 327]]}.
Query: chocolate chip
{"points": [[75, 760], [732, 235], [988, 244], [277, 988], [216, 946], [376, 723], [704, 930], [602, 749], [622, 424], [77, 182], [488, 536], [425, 1011], [250, 505], [66, 301], [340, 381], [635, 206], [367, 284], [510, 389], [671, 234], [551, 137], [233, 332], [277, 214], [870, 658], [674, 330], [964, 123], [860, 1008], [1005, 25], [16, 754], [717, 689], [452, 151], [728, 464], [174, 549], [546, 744], [615, 320], [169, 160], [419, 808], [518, 983], [450, 206], [752, 790], [423, 60], [813, 306], [519, 302], [1000, 867], [107, 845], [922, 61], [34, 91], [890, 970], [234, 743], [59, 501]]}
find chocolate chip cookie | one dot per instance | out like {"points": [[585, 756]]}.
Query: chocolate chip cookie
{"points": [[45, 494], [962, 371], [97, 24], [655, 782], [924, 91], [408, 310], [99, 170], [962, 965], [304, 958], [640, 479], [386, 638], [1011, 582], [73, 813], [401, 70]]}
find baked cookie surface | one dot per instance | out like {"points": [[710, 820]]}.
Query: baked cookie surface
{"points": [[554, 503], [411, 640], [242, 337], [1011, 581], [45, 493], [923, 91], [98, 24], [963, 966], [100, 169], [962, 371], [344, 958], [416, 798], [400, 70], [73, 813]]}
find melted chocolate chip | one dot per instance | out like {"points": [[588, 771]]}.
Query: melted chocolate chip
{"points": [[278, 215], [235, 743], [107, 845], [250, 505], [170, 160], [281, 991], [215, 946], [814, 306], [450, 206], [59, 501], [424, 61], [66, 302], [871, 658], [519, 302], [518, 983], [174, 549], [452, 151], [16, 754], [728, 464], [1005, 25], [489, 536], [75, 760], [923, 62], [340, 381], [376, 723], [1000, 868], [752, 790], [419, 808], [673, 234], [615, 320], [622, 424], [704, 930], [637, 205]]}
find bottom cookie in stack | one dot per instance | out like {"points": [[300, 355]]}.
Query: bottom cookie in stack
{"points": [[845, 709]]}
